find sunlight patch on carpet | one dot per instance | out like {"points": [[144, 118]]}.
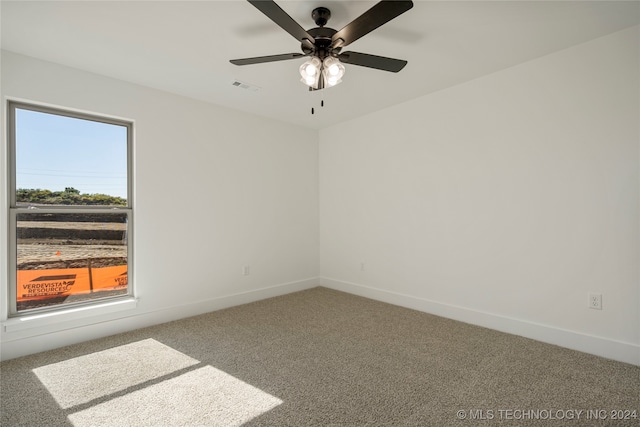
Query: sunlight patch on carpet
{"points": [[83, 379], [147, 383], [204, 396]]}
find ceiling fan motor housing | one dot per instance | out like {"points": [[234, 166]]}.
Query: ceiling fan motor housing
{"points": [[322, 40], [322, 36]]}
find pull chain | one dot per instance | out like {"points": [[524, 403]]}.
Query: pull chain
{"points": [[321, 104], [315, 95]]}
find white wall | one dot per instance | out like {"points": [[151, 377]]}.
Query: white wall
{"points": [[215, 190], [502, 201]]}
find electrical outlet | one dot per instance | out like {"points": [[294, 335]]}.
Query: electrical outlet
{"points": [[595, 301], [246, 270]]}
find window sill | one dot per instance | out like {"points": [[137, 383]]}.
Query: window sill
{"points": [[83, 313]]}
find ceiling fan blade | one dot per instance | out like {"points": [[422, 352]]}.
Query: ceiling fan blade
{"points": [[378, 15], [372, 61], [286, 22], [270, 58]]}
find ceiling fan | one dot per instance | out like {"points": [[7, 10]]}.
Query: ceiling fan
{"points": [[323, 44]]}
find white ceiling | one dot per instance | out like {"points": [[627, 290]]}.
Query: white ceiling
{"points": [[184, 47]]}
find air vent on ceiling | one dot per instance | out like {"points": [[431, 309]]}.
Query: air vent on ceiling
{"points": [[244, 85]]}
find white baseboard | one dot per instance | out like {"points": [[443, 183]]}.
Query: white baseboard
{"points": [[20, 341], [599, 346], [213, 304]]}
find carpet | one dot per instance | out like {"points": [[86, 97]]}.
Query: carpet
{"points": [[317, 358]]}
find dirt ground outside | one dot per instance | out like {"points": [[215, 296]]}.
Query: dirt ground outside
{"points": [[75, 245]]}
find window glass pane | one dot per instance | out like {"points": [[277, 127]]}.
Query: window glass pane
{"points": [[70, 257], [69, 161]]}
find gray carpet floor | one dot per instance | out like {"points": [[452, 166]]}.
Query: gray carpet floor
{"points": [[317, 358]]}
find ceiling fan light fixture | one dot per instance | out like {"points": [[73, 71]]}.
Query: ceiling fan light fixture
{"points": [[310, 72], [332, 71]]}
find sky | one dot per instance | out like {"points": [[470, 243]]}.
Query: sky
{"points": [[54, 152]]}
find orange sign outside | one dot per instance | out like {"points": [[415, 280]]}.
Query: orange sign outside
{"points": [[42, 284]]}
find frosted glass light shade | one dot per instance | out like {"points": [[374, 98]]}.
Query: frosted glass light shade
{"points": [[310, 72]]}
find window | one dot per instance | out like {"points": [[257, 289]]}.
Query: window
{"points": [[70, 210]]}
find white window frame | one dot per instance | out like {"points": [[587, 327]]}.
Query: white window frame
{"points": [[72, 310]]}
